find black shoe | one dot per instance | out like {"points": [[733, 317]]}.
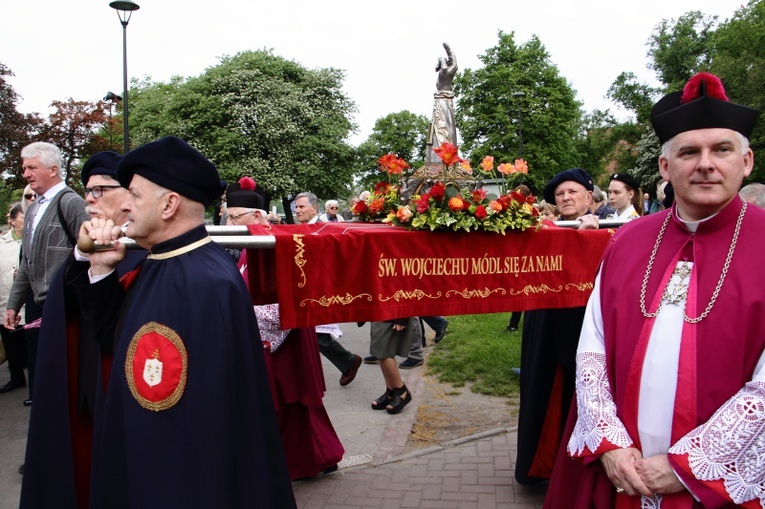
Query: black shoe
{"points": [[410, 363], [371, 360], [21, 469], [397, 403], [11, 385], [381, 402], [511, 329], [440, 334], [27, 402]]}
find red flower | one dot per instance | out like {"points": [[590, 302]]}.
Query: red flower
{"points": [[480, 212], [531, 199], [392, 164], [423, 204], [515, 195], [456, 203], [382, 188], [478, 195], [360, 207], [437, 191], [448, 154]]}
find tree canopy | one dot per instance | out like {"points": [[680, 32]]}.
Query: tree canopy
{"points": [[259, 115], [489, 109]]}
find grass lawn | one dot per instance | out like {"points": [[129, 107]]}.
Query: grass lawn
{"points": [[477, 350]]}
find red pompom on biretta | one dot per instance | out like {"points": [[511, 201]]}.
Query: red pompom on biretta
{"points": [[703, 84], [702, 104], [247, 184]]}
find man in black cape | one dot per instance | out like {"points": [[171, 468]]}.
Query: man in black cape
{"points": [[59, 442], [187, 419]]}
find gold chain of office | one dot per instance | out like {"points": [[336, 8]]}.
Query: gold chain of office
{"points": [[720, 282]]}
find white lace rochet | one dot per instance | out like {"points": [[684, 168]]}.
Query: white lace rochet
{"points": [[731, 446], [597, 418]]}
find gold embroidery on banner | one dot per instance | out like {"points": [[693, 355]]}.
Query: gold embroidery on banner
{"points": [[582, 287], [176, 340], [406, 295], [299, 260], [530, 289], [336, 299], [469, 294]]}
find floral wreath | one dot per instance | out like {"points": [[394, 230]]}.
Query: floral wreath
{"points": [[449, 208]]}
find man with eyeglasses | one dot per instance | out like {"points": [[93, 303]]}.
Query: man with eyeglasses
{"points": [[50, 232], [60, 436], [331, 215]]}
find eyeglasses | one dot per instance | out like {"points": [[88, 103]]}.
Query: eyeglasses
{"points": [[333, 208], [98, 191], [29, 196], [233, 218]]}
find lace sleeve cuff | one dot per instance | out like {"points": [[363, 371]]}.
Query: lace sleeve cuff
{"points": [[598, 429], [727, 453]]}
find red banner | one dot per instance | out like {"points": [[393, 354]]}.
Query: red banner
{"points": [[348, 272]]}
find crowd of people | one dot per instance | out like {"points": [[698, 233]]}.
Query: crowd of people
{"points": [[651, 388]]}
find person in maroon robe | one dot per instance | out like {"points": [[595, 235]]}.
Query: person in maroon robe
{"points": [[311, 444], [670, 409]]}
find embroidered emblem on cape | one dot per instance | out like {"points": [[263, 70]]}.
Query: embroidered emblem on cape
{"points": [[155, 367]]}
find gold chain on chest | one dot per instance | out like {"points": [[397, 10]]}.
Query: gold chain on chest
{"points": [[715, 294]]}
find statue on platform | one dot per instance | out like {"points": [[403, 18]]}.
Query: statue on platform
{"points": [[443, 127]]}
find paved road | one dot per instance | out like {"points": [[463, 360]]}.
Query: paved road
{"points": [[473, 472]]}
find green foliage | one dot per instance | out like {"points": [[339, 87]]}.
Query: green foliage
{"points": [[488, 113], [678, 49], [478, 350], [402, 133], [259, 115], [636, 97], [739, 60], [16, 131], [646, 168], [608, 146]]}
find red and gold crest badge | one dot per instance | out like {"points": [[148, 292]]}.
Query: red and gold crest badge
{"points": [[156, 367]]}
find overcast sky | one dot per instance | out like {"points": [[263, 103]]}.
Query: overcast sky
{"points": [[388, 50]]}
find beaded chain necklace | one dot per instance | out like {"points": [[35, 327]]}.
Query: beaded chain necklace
{"points": [[685, 272]]}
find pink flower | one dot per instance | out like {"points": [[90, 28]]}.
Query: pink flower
{"points": [[506, 168], [404, 214], [521, 166], [487, 164], [478, 195]]}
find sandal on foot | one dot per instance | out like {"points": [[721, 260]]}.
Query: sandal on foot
{"points": [[381, 402], [398, 402]]}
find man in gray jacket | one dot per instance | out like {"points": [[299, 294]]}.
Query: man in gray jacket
{"points": [[51, 226]]}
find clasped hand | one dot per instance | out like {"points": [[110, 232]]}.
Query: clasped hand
{"points": [[627, 469]]}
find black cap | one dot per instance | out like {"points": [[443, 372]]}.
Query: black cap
{"points": [[575, 174], [701, 105], [100, 163], [173, 164], [627, 179], [247, 194]]}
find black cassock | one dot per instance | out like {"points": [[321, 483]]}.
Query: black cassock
{"points": [[187, 419]]}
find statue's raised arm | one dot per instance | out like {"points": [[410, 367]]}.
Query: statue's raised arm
{"points": [[446, 69]]}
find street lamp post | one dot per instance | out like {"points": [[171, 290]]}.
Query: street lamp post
{"points": [[125, 10], [112, 98], [519, 96]]}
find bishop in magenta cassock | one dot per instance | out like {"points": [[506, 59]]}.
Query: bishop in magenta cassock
{"points": [[670, 377]]}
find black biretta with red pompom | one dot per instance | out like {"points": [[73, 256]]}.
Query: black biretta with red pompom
{"points": [[247, 194], [702, 104]]}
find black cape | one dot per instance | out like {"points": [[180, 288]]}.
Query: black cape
{"points": [[69, 364], [548, 382], [168, 436]]}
